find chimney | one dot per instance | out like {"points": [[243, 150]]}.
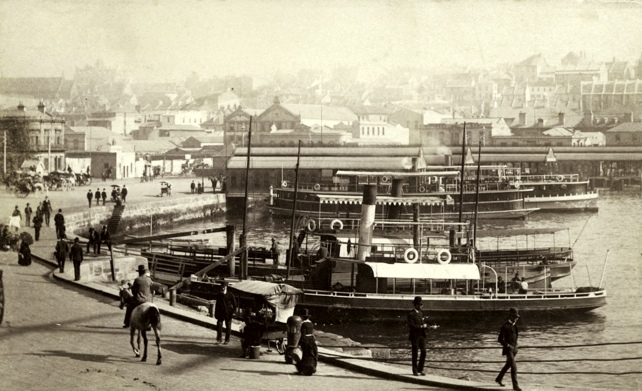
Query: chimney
{"points": [[41, 107], [522, 119], [561, 118], [21, 107], [628, 117], [540, 122], [588, 117]]}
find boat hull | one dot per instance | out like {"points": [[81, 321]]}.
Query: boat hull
{"points": [[355, 306], [568, 203]]}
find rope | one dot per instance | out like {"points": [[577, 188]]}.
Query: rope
{"points": [[582, 230], [490, 347], [401, 359]]}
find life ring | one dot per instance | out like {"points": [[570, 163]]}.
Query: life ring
{"points": [[560, 178], [316, 187], [312, 225], [335, 221], [449, 256], [410, 255], [517, 184], [385, 179], [422, 189], [284, 184]]}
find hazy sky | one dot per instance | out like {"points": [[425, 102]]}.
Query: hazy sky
{"points": [[169, 39]]}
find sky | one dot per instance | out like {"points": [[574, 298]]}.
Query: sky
{"points": [[156, 40]]}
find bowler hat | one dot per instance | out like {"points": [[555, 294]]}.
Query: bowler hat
{"points": [[224, 284], [141, 269], [417, 300], [514, 312]]}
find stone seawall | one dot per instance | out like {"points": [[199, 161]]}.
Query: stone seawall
{"points": [[156, 211]]}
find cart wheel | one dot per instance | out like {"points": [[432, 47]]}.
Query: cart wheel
{"points": [[281, 345]]}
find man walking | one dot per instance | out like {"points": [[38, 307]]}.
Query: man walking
{"points": [[192, 186], [97, 196], [46, 210], [104, 238], [123, 193], [508, 339], [141, 293], [94, 240], [417, 337], [90, 195], [28, 212], [225, 306], [59, 221], [104, 196], [76, 257], [37, 224], [62, 252]]}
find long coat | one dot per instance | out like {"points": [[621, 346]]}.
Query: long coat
{"points": [[225, 306]]}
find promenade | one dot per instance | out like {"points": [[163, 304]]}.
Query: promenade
{"points": [[75, 201]]}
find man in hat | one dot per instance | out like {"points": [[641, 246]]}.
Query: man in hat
{"points": [[28, 212], [59, 221], [225, 306], [508, 339], [90, 196], [104, 238], [97, 196], [46, 210], [75, 254], [307, 366], [62, 251], [104, 196], [141, 293], [123, 193], [417, 337]]}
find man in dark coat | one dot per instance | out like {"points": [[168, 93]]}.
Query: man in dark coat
{"points": [[46, 210], [104, 195], [90, 196], [75, 254], [192, 187], [93, 240], [225, 306], [104, 238], [417, 337], [508, 339], [62, 252], [59, 221], [123, 193], [307, 366], [28, 212], [37, 224], [97, 196], [141, 293]]}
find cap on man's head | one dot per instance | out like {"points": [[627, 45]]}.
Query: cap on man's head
{"points": [[59, 210], [417, 300], [514, 312]]}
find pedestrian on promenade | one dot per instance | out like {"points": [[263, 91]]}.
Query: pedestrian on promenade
{"points": [[192, 186], [37, 224], [104, 238], [16, 218], [214, 184], [225, 306], [90, 196], [307, 366], [24, 253], [93, 240], [141, 293], [123, 193], [75, 255], [104, 196], [417, 337], [62, 252], [59, 221], [46, 210], [508, 339], [97, 196], [28, 212]]}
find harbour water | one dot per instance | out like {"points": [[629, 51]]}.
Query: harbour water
{"points": [[544, 358]]}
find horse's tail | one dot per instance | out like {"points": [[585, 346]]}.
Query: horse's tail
{"points": [[154, 317]]}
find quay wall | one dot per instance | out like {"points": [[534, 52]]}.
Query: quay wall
{"points": [[156, 212]]}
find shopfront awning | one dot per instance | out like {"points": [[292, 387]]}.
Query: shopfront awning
{"points": [[451, 271], [381, 200]]}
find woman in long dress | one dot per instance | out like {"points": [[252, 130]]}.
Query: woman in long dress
{"points": [[24, 254]]}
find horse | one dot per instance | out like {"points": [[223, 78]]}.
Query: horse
{"points": [[143, 317]]}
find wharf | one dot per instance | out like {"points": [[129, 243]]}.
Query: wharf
{"points": [[74, 202]]}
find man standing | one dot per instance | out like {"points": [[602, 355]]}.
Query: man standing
{"points": [[192, 186], [46, 210], [123, 193], [141, 293], [104, 238], [37, 224], [59, 221], [28, 212], [104, 196], [16, 218], [93, 238], [76, 257], [97, 196], [508, 339], [417, 337], [225, 306], [62, 252], [90, 195]]}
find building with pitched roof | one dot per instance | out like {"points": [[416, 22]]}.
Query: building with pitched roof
{"points": [[625, 134]]}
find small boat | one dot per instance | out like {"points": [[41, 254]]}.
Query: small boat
{"points": [[559, 193]]}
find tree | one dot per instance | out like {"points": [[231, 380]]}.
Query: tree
{"points": [[18, 146]]}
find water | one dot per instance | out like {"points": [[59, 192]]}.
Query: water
{"points": [[616, 227]]}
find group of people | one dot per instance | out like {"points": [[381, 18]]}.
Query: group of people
{"points": [[417, 336], [96, 239], [74, 252], [115, 194], [197, 188]]}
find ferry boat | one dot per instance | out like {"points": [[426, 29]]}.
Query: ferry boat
{"points": [[560, 193], [435, 190], [454, 279]]}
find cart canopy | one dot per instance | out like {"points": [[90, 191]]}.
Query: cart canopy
{"points": [[282, 297]]}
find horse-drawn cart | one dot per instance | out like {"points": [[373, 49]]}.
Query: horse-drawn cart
{"points": [[166, 188]]}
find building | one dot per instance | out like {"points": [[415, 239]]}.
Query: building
{"points": [[120, 122], [621, 94], [625, 134]]}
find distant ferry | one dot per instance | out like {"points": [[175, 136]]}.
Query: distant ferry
{"points": [[559, 193]]}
